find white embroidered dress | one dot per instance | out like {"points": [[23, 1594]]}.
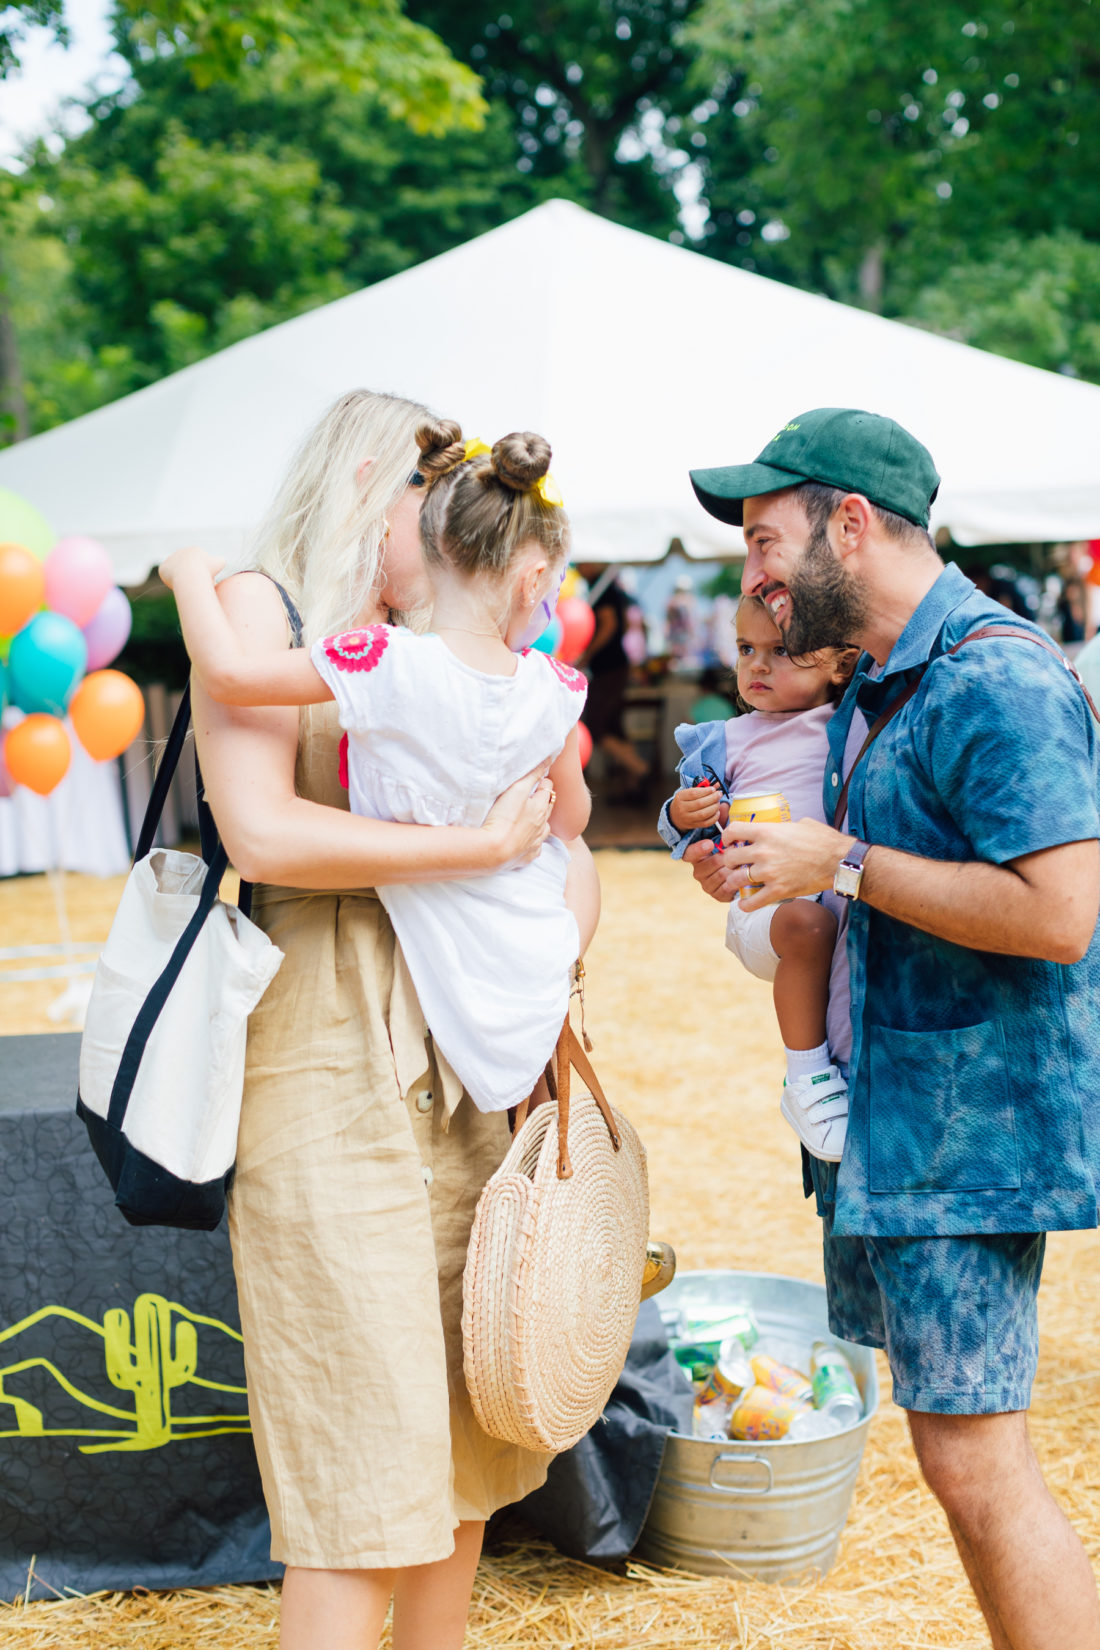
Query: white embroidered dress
{"points": [[432, 741]]}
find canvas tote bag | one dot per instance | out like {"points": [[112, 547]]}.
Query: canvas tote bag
{"points": [[162, 1058], [553, 1273]]}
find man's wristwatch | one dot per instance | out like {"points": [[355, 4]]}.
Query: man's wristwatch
{"points": [[849, 873]]}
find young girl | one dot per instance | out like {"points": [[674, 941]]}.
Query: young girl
{"points": [[437, 726], [779, 746]]}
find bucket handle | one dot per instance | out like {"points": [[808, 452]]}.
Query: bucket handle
{"points": [[741, 1461]]}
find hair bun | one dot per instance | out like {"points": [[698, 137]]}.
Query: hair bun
{"points": [[441, 447], [521, 459]]}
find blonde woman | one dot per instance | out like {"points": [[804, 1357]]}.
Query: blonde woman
{"points": [[360, 1159]]}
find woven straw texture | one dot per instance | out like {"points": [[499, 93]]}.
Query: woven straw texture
{"points": [[553, 1274]]}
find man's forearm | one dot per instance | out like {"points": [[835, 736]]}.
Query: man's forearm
{"points": [[984, 907], [1040, 905]]}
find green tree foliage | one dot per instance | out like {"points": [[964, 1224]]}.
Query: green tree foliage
{"points": [[896, 137], [368, 46], [186, 219], [197, 210], [1036, 300], [15, 20], [599, 92]]}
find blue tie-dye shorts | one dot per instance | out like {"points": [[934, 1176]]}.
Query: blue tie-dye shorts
{"points": [[956, 1316]]}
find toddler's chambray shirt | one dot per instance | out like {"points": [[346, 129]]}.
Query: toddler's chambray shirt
{"points": [[975, 1079]]}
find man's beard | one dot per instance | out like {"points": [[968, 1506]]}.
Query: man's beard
{"points": [[828, 609]]}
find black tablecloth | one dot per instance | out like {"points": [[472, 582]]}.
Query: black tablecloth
{"points": [[125, 1454]]}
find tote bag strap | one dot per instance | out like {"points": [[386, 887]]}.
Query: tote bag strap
{"points": [[216, 865]]}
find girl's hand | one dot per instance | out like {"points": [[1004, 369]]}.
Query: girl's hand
{"points": [[519, 820], [188, 558], [695, 809]]}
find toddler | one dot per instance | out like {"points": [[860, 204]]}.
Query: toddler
{"points": [[780, 746]]}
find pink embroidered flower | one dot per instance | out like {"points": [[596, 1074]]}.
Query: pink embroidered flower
{"points": [[342, 769], [357, 649], [573, 679]]}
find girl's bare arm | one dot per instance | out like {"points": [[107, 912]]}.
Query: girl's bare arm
{"points": [[272, 835], [573, 805], [229, 673]]}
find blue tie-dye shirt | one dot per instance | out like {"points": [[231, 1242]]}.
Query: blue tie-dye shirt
{"points": [[975, 1079]]}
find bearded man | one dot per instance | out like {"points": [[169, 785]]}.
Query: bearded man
{"points": [[963, 784]]}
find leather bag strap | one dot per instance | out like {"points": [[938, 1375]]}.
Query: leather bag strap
{"points": [[903, 699], [554, 1085]]}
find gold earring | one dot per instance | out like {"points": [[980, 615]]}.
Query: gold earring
{"points": [[385, 529]]}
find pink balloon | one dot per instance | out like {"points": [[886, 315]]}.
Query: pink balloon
{"points": [[78, 576], [107, 632], [578, 626]]}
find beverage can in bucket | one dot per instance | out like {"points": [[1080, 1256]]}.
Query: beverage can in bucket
{"points": [[770, 809], [781, 1378], [763, 1413], [834, 1385], [730, 1375]]}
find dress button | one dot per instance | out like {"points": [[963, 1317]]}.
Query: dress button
{"points": [[428, 1176], [424, 1100], [835, 780]]}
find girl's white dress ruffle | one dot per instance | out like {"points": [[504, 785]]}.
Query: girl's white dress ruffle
{"points": [[432, 741]]}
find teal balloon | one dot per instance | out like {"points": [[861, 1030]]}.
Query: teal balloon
{"points": [[3, 685], [550, 639], [46, 662], [712, 707]]}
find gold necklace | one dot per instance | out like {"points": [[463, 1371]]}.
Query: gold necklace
{"points": [[464, 630]]}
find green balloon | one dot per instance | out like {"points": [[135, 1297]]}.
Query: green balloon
{"points": [[21, 523], [712, 707]]}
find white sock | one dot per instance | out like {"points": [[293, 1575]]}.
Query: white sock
{"points": [[806, 1062]]}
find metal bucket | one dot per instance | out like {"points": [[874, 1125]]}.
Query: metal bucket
{"points": [[773, 1511]]}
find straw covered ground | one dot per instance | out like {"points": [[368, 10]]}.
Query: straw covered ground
{"points": [[686, 1044]]}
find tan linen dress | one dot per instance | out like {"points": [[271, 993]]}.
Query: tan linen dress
{"points": [[359, 1166]]}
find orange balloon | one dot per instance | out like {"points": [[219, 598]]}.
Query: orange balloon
{"points": [[37, 753], [107, 711], [22, 587]]}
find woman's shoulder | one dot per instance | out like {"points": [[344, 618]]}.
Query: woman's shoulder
{"points": [[254, 606]]}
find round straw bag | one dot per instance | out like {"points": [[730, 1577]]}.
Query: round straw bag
{"points": [[554, 1269]]}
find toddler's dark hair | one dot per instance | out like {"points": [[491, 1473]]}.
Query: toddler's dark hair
{"points": [[845, 659]]}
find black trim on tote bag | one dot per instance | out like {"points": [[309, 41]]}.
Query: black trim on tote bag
{"points": [[146, 1193]]}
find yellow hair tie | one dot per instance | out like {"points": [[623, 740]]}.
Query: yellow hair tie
{"points": [[546, 487]]}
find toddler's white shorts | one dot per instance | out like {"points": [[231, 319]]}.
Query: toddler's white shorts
{"points": [[749, 937]]}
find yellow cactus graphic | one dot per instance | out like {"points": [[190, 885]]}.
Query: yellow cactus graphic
{"points": [[149, 1367], [157, 1357]]}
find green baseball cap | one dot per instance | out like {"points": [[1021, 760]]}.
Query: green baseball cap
{"points": [[861, 452]]}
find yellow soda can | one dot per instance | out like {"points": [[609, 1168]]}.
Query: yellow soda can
{"points": [[782, 1378], [730, 1375], [763, 1413], [771, 809]]}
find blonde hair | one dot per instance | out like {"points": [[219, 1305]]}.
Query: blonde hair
{"points": [[479, 511], [323, 538]]}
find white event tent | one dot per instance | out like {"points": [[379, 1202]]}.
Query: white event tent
{"points": [[638, 359]]}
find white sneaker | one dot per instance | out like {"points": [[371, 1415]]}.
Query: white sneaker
{"points": [[816, 1107]]}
